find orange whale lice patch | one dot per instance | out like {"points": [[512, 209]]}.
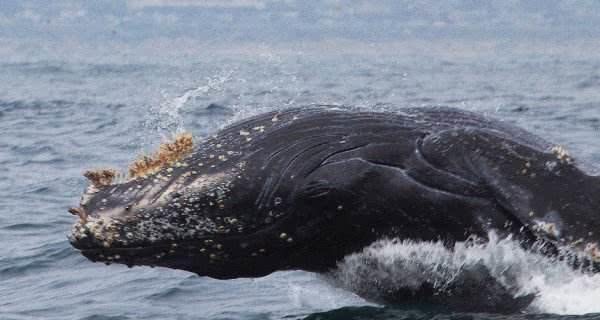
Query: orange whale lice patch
{"points": [[101, 177], [167, 154]]}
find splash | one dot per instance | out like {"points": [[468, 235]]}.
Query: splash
{"points": [[393, 264], [167, 119], [169, 112]]}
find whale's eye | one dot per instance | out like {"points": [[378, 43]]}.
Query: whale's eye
{"points": [[127, 208]]}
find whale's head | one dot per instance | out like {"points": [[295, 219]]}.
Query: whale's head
{"points": [[197, 213]]}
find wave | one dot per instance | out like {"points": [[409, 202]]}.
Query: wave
{"points": [[499, 271]]}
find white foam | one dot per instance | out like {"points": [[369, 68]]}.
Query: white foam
{"points": [[393, 263], [321, 296]]}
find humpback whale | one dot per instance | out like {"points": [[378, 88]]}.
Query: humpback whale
{"points": [[300, 189]]}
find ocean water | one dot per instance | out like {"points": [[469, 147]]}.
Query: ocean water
{"points": [[61, 114]]}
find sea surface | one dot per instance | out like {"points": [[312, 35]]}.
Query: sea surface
{"points": [[62, 113]]}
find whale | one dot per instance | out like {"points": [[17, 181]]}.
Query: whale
{"points": [[301, 188]]}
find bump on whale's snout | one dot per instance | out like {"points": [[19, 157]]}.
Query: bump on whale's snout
{"points": [[80, 212]]}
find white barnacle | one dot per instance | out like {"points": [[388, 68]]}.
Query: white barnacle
{"points": [[547, 227], [550, 165], [244, 133], [562, 154]]}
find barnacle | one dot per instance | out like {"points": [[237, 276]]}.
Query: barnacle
{"points": [[167, 154], [101, 177]]}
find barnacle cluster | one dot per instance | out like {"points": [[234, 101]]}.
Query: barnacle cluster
{"points": [[167, 154], [101, 177]]}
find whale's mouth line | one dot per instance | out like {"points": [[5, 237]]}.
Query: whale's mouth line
{"points": [[120, 250], [254, 239], [157, 246], [134, 247]]}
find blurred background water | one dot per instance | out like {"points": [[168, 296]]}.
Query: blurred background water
{"points": [[87, 85]]}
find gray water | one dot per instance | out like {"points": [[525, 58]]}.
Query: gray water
{"points": [[61, 114]]}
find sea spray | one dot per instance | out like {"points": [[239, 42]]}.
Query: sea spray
{"points": [[390, 265]]}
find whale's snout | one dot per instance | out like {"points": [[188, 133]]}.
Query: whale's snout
{"points": [[192, 212]]}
